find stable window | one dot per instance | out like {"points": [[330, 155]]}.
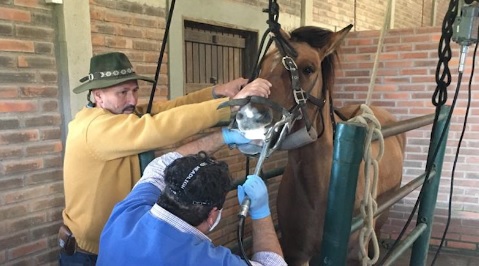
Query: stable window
{"points": [[216, 54]]}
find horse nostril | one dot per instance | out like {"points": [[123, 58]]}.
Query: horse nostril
{"points": [[239, 116], [265, 118]]}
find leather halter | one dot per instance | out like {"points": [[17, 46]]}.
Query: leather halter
{"points": [[301, 97]]}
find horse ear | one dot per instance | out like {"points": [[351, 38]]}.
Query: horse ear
{"points": [[285, 34], [336, 40]]}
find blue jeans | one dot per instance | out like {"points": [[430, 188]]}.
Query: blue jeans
{"points": [[77, 259]]}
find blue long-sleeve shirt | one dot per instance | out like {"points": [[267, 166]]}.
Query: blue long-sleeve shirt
{"points": [[140, 232]]}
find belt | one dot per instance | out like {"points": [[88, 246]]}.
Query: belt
{"points": [[79, 249], [68, 243]]}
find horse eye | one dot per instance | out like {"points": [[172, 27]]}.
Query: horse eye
{"points": [[308, 70]]}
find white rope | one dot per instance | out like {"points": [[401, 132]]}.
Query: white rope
{"points": [[368, 205], [372, 81]]}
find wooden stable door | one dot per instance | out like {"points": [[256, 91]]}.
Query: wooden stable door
{"points": [[215, 54]]}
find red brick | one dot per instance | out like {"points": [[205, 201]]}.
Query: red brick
{"points": [[388, 56], [97, 40], [6, 93], [16, 45], [15, 167], [416, 38], [46, 203], [32, 192], [49, 176], [469, 238], [19, 137], [360, 42], [12, 211], [461, 245], [3, 257], [39, 91], [11, 183], [111, 15], [15, 15], [14, 239], [29, 3], [53, 160], [27, 249], [22, 62], [44, 148], [17, 106]]}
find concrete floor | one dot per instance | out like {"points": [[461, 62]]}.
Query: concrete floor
{"points": [[445, 258]]}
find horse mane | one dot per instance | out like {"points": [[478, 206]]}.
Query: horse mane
{"points": [[318, 37]]}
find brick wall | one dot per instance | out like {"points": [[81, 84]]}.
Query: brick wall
{"points": [[136, 30], [31, 188], [369, 15], [291, 7], [404, 85]]}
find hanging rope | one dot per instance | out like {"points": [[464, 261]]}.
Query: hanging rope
{"points": [[372, 81], [368, 205]]}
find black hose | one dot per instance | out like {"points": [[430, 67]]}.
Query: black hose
{"points": [[240, 233], [160, 58]]}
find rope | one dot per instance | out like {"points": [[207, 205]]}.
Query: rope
{"points": [[372, 81], [368, 205]]}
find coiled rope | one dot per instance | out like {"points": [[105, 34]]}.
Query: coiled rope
{"points": [[368, 206]]}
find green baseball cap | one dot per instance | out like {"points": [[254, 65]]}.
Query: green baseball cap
{"points": [[107, 70]]}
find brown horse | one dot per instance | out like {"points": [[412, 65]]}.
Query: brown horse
{"points": [[302, 195]]}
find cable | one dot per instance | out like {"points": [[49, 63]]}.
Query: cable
{"points": [[273, 14], [451, 188], [160, 58], [439, 98], [240, 232]]}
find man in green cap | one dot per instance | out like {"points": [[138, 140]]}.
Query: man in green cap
{"points": [[104, 139]]}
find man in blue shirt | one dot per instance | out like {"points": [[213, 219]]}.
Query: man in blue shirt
{"points": [[180, 197]]}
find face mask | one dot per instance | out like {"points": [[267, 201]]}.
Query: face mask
{"points": [[218, 218]]}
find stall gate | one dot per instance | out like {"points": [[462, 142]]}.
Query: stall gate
{"points": [[339, 223]]}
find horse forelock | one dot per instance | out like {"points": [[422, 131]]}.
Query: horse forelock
{"points": [[319, 38], [314, 36]]}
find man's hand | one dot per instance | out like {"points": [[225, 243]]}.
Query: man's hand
{"points": [[256, 190], [258, 87], [229, 89]]}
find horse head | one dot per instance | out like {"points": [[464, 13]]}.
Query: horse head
{"points": [[301, 84]]}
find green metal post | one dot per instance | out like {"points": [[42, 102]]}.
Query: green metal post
{"points": [[428, 201], [347, 157]]}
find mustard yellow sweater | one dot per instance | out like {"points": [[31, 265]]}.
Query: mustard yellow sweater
{"points": [[101, 162]]}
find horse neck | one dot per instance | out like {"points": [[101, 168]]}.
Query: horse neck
{"points": [[312, 162]]}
